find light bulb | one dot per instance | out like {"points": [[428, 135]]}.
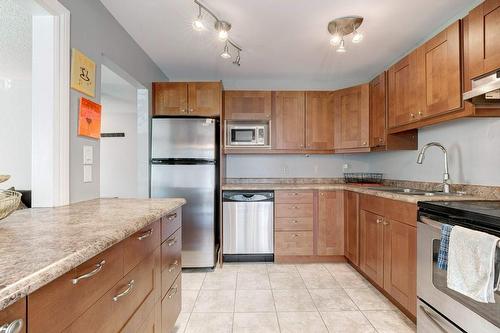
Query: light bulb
{"points": [[336, 38], [357, 37], [341, 48], [198, 24], [223, 35], [226, 54]]}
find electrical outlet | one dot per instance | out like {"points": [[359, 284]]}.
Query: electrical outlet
{"points": [[346, 166], [88, 155]]}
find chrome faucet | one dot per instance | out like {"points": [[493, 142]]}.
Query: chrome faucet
{"points": [[446, 175]]}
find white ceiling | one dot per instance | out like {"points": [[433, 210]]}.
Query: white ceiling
{"points": [[286, 43]]}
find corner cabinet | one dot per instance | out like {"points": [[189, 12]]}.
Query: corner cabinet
{"points": [[202, 99]]}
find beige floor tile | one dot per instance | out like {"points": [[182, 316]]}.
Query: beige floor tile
{"points": [[253, 281], [254, 301], [255, 322], [369, 299], [286, 281], [351, 280], [192, 281], [332, 300], [339, 267], [346, 322], [319, 280], [252, 267], [210, 323], [181, 323], [312, 268], [215, 301], [188, 300], [301, 322], [293, 300], [220, 281], [390, 321], [281, 268]]}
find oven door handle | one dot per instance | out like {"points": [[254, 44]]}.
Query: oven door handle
{"points": [[432, 319]]}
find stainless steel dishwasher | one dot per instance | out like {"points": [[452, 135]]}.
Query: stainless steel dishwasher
{"points": [[248, 226]]}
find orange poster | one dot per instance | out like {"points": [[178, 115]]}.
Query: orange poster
{"points": [[89, 119]]}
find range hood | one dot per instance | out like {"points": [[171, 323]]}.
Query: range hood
{"points": [[485, 91]]}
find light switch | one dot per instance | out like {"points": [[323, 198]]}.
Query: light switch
{"points": [[87, 173], [88, 155]]}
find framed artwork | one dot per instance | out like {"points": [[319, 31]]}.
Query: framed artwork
{"points": [[82, 73], [89, 119]]}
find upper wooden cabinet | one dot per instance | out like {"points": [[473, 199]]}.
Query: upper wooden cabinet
{"points": [[202, 99], [288, 120], [319, 120], [378, 111], [484, 38], [330, 223], [351, 122], [247, 105]]}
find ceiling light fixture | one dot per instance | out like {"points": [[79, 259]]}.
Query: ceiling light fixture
{"points": [[222, 28], [343, 26]]}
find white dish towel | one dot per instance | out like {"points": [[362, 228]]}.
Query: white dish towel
{"points": [[471, 264]]}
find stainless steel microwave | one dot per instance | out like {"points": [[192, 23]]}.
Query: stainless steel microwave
{"points": [[245, 134]]}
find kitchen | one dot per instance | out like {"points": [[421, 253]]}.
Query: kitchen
{"points": [[313, 191]]}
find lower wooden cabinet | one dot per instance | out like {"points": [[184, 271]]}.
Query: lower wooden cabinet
{"points": [[351, 226], [330, 223], [171, 305], [14, 316], [372, 246], [294, 243]]}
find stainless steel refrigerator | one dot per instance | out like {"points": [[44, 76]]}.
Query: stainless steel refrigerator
{"points": [[184, 154]]}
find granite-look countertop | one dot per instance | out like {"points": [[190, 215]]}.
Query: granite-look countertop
{"points": [[39, 245], [350, 187]]}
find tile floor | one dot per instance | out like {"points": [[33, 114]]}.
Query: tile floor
{"points": [[285, 298]]}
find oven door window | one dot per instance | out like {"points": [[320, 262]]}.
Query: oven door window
{"points": [[490, 312], [242, 135]]}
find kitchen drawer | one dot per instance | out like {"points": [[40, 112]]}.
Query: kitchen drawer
{"points": [[140, 244], [171, 305], [14, 312], [57, 304], [139, 288], [294, 223], [152, 324], [293, 197], [171, 263], [294, 243], [294, 210], [170, 223]]}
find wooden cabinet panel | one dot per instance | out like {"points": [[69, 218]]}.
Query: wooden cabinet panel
{"points": [[170, 223], [484, 38], [247, 105], [400, 268], [330, 223], [293, 197], [65, 300], [351, 117], [171, 261], [205, 99], [378, 111], [294, 223], [288, 120], [16, 311], [319, 120], [401, 211], [351, 215], [140, 244], [294, 243], [372, 204], [170, 99], [441, 54], [294, 210], [152, 324], [171, 305], [372, 246]]}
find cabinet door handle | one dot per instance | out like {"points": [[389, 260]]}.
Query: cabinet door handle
{"points": [[420, 113], [295, 235], [295, 207], [295, 221], [173, 291], [145, 235], [183, 110], [172, 217], [365, 143], [379, 220], [173, 266], [97, 269], [386, 223], [191, 110], [127, 291], [12, 327], [412, 115], [172, 241], [295, 193]]}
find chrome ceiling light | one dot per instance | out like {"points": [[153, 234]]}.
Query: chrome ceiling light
{"points": [[222, 28], [344, 26]]}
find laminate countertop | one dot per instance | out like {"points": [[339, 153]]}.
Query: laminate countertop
{"points": [[39, 245]]}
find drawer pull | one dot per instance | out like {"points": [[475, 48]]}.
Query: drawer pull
{"points": [[98, 268], [145, 235], [295, 207], [172, 291], [172, 217], [172, 241], [379, 220], [173, 266], [295, 193], [295, 221], [295, 235], [13, 327], [127, 291], [385, 223]]}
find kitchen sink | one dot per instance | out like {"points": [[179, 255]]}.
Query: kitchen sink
{"points": [[412, 191]]}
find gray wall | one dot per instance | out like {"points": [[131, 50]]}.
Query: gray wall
{"points": [[95, 32]]}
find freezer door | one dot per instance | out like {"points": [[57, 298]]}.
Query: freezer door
{"points": [[183, 138], [195, 183]]}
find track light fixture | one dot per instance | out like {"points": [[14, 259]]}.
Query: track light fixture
{"points": [[222, 28], [343, 26]]}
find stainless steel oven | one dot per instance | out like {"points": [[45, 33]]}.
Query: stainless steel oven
{"points": [[244, 134], [440, 309]]}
